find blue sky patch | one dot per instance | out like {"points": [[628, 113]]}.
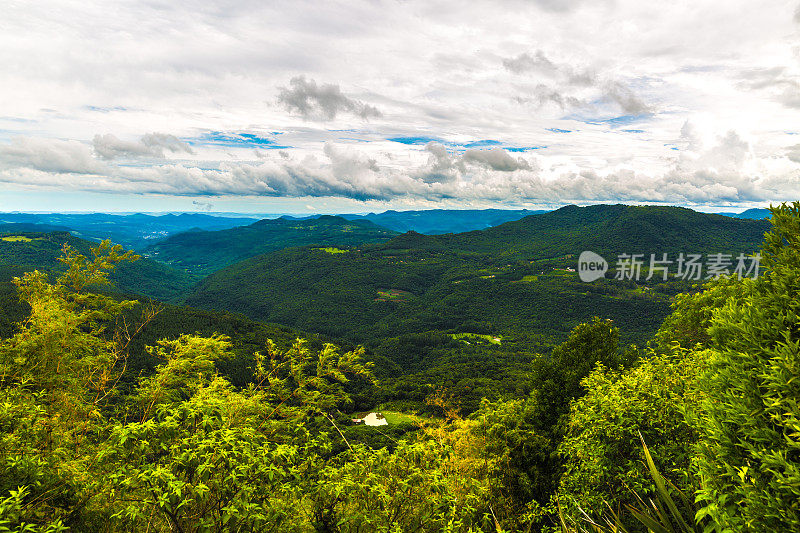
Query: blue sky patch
{"points": [[484, 142], [623, 120], [632, 131], [106, 109], [559, 130], [416, 140], [236, 140], [523, 148], [614, 122]]}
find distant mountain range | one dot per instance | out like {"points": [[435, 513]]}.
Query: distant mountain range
{"points": [[418, 300], [438, 221], [509, 280], [139, 231], [755, 214], [132, 231]]}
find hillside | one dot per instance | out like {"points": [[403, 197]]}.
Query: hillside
{"points": [[204, 252], [438, 221], [132, 231], [23, 251], [510, 280]]}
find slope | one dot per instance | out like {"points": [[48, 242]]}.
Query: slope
{"points": [[24, 251], [510, 280], [203, 252]]}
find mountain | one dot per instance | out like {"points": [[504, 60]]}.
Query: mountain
{"points": [[204, 252], [438, 221], [132, 231], [14, 227], [510, 281], [24, 251], [754, 214]]}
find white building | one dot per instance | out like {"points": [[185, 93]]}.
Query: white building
{"points": [[372, 419]]}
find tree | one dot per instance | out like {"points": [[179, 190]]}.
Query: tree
{"points": [[57, 385]]}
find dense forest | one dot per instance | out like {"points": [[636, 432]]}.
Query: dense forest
{"points": [[521, 398], [204, 252]]}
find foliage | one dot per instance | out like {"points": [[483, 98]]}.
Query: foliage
{"points": [[750, 423], [663, 514], [422, 486], [205, 423], [649, 400], [58, 372], [692, 312]]}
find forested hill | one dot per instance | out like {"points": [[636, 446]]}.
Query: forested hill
{"points": [[204, 252], [509, 281], [437, 221], [24, 251], [613, 229]]}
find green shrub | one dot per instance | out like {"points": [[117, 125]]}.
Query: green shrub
{"points": [[749, 456]]}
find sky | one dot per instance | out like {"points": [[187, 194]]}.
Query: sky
{"points": [[294, 107]]}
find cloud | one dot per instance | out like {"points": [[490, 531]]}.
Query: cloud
{"points": [[203, 206], [780, 83], [793, 153], [565, 80], [321, 102], [110, 147], [625, 99], [558, 6], [495, 159], [713, 174], [49, 155], [542, 95], [444, 168], [441, 167], [727, 170], [527, 63]]}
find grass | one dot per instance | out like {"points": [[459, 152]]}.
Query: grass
{"points": [[332, 250], [16, 238], [477, 337], [394, 417], [392, 294]]}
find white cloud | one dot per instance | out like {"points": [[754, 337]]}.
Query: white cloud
{"points": [[571, 79], [108, 146], [49, 155], [435, 71], [726, 171]]}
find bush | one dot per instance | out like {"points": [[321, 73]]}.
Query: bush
{"points": [[749, 456], [604, 458]]}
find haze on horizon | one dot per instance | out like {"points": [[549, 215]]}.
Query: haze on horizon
{"points": [[340, 107]]}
